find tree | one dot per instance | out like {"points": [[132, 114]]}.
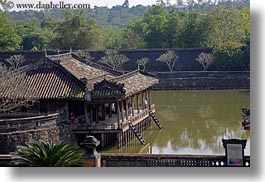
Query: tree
{"points": [[9, 39], [142, 62], [11, 86], [153, 25], [113, 59], [83, 54], [16, 61], [170, 58], [193, 30], [226, 25], [33, 36], [78, 32], [48, 154], [33, 42], [112, 38], [126, 4], [205, 60]]}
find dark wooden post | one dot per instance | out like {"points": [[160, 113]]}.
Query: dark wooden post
{"points": [[103, 111], [118, 113], [91, 114], [143, 100], [86, 115], [149, 98], [110, 111], [137, 102], [93, 157], [96, 110], [126, 109], [122, 113], [132, 105]]}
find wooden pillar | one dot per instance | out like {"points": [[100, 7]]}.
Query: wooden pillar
{"points": [[126, 109], [137, 103], [96, 110], [86, 115], [110, 111], [102, 142], [122, 111], [103, 111], [118, 113], [91, 114], [132, 105], [149, 98], [142, 100]]}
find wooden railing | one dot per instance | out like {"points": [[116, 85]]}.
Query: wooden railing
{"points": [[166, 160], [139, 117]]}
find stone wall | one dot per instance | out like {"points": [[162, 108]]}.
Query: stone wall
{"points": [[186, 59], [17, 131], [200, 80]]}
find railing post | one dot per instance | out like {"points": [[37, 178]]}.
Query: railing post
{"points": [[93, 157]]}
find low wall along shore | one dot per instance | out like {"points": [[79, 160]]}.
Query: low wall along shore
{"points": [[203, 80], [17, 131]]}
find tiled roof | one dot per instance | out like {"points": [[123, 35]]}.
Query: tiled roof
{"points": [[47, 82], [135, 82], [92, 72]]}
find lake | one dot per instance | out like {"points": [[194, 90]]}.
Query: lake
{"points": [[194, 122]]}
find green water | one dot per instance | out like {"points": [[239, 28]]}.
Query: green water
{"points": [[194, 122]]}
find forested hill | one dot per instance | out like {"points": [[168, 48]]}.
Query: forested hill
{"points": [[120, 15]]}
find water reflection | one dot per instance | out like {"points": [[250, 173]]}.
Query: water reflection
{"points": [[195, 122]]}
